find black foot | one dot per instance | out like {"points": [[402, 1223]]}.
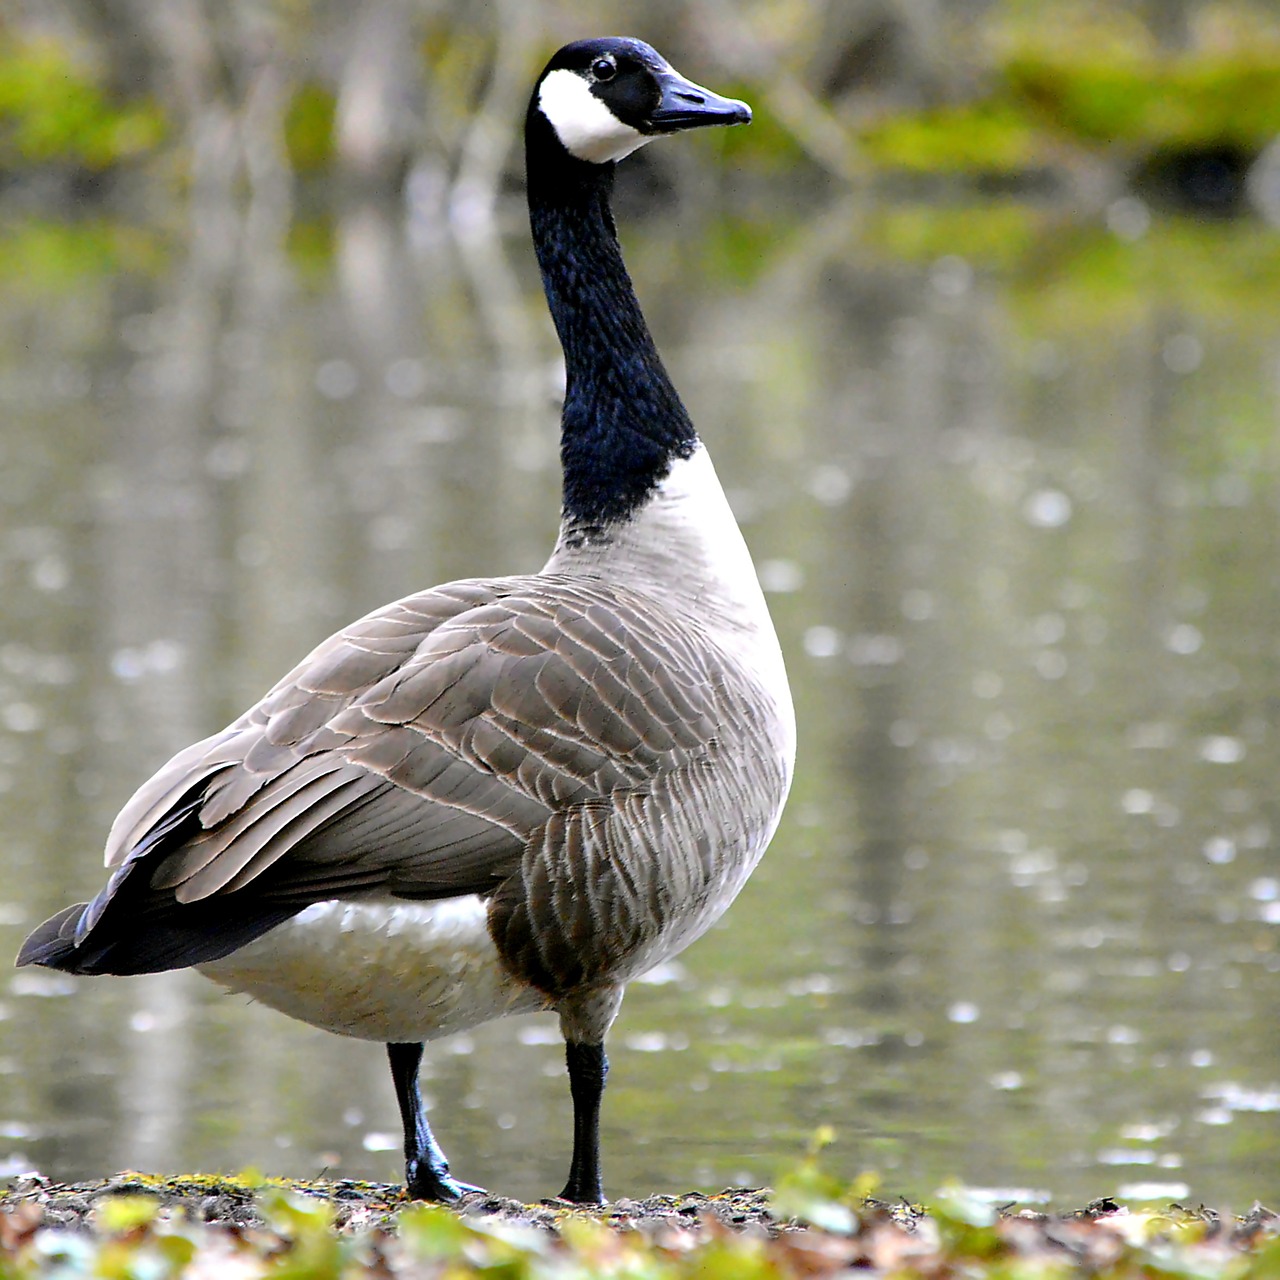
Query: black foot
{"points": [[425, 1183], [578, 1195]]}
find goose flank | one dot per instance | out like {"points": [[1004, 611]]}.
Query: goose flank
{"points": [[507, 794]]}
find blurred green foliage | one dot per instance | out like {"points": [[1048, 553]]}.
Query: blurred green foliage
{"points": [[1063, 275], [52, 111], [1090, 78], [1040, 104], [767, 149], [308, 128], [982, 137], [1150, 102], [311, 248], [43, 259], [813, 1194], [737, 247], [1058, 274], [996, 235], [1032, 83], [1227, 276]]}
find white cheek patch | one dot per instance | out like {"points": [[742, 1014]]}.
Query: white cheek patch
{"points": [[586, 127]]}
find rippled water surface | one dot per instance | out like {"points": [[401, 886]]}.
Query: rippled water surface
{"points": [[1012, 482]]}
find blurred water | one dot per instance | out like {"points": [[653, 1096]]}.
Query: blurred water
{"points": [[1013, 485]]}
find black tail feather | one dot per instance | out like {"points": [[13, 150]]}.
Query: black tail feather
{"points": [[141, 930], [53, 943], [132, 928]]}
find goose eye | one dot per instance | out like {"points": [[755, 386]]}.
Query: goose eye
{"points": [[604, 69]]}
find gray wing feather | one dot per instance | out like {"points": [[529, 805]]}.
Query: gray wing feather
{"points": [[297, 801], [421, 749]]}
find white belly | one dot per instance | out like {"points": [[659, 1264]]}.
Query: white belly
{"points": [[398, 973]]}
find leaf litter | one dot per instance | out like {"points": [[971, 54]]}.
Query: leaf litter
{"points": [[155, 1228]]}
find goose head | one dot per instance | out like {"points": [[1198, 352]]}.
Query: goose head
{"points": [[598, 100]]}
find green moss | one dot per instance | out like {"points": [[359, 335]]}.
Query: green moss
{"points": [[246, 1183], [118, 1215]]}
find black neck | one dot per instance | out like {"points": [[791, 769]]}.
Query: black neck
{"points": [[623, 422]]}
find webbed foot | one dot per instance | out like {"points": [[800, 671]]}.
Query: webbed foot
{"points": [[424, 1181]]}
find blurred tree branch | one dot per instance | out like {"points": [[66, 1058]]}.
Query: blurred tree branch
{"points": [[436, 87]]}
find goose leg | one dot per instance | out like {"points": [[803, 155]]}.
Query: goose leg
{"points": [[585, 1020], [426, 1171], [588, 1068]]}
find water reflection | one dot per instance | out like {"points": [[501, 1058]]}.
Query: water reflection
{"points": [[1021, 923]]}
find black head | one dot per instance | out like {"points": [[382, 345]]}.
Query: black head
{"points": [[604, 98]]}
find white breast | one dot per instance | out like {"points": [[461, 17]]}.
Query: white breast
{"points": [[685, 549], [398, 973]]}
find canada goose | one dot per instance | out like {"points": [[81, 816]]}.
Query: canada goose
{"points": [[503, 794]]}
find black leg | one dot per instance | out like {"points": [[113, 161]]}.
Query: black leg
{"points": [[426, 1171], [588, 1068]]}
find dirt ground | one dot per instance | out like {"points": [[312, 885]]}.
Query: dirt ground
{"points": [[359, 1205]]}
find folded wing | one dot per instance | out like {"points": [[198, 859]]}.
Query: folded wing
{"points": [[414, 755]]}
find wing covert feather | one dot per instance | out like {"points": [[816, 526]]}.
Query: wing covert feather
{"points": [[420, 750]]}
